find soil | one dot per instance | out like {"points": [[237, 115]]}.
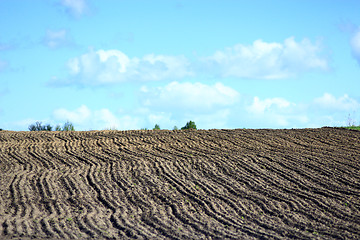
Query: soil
{"points": [[184, 184]]}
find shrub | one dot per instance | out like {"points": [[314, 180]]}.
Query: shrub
{"points": [[68, 126], [38, 127], [189, 125], [157, 127]]}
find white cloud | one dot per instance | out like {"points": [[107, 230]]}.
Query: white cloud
{"points": [[113, 66], [75, 7], [107, 118], [77, 116], [264, 60], [355, 45], [260, 60], [56, 39], [85, 119], [189, 96], [164, 119], [343, 103], [261, 106], [275, 112]]}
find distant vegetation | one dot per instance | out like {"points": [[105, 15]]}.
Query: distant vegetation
{"points": [[354, 127], [189, 125], [68, 126], [38, 127]]}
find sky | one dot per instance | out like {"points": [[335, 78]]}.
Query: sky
{"points": [[225, 64]]}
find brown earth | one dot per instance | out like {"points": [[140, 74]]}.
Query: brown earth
{"points": [[204, 184]]}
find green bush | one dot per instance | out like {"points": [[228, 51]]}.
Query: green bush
{"points": [[157, 127], [189, 125], [68, 126], [38, 127]]}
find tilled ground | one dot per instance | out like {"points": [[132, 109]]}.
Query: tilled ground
{"points": [[204, 184]]}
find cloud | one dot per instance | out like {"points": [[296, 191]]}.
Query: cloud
{"points": [[263, 60], [75, 7], [84, 118], [113, 66], [261, 106], [355, 45], [57, 39], [196, 97], [275, 112], [330, 102], [77, 116]]}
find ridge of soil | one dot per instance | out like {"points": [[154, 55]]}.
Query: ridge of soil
{"points": [[162, 184]]}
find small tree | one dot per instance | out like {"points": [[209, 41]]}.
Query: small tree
{"points": [[38, 127], [157, 127], [68, 126], [189, 125], [175, 128], [48, 128]]}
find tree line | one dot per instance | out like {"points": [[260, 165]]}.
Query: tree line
{"points": [[189, 125], [68, 126]]}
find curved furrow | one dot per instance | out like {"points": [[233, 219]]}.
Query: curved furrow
{"points": [[304, 191], [256, 190], [35, 149], [150, 217], [89, 222], [101, 197], [303, 162], [130, 212], [312, 184], [206, 207], [168, 208], [47, 205], [220, 184], [211, 188], [245, 198], [307, 196], [55, 151], [77, 205], [322, 176]]}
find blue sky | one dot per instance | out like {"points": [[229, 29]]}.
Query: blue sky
{"points": [[223, 64]]}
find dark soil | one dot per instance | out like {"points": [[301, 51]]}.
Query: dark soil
{"points": [[204, 184]]}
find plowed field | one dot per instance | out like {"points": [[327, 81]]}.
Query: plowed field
{"points": [[204, 184]]}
